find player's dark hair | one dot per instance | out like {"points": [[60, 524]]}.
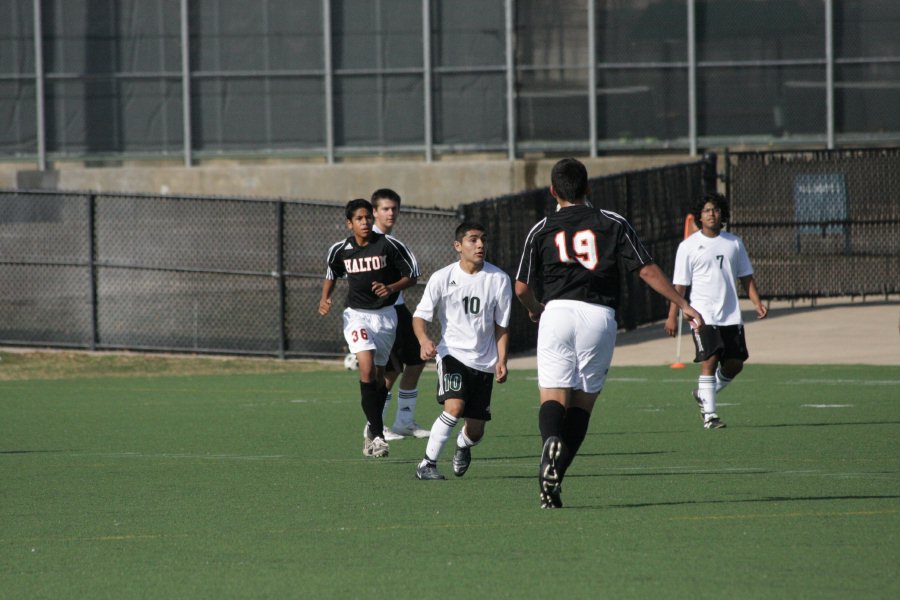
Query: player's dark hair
{"points": [[355, 205], [718, 200], [569, 179], [467, 226], [385, 194]]}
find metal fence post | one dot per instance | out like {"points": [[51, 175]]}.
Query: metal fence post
{"points": [[186, 86], [510, 82], [692, 76], [829, 73], [592, 75], [279, 274], [329, 81], [92, 277], [39, 95], [426, 80]]}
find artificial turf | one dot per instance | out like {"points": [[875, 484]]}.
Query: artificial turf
{"points": [[229, 484]]}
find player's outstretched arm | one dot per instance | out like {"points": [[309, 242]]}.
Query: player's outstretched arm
{"points": [[526, 296], [325, 302], [382, 290], [501, 334], [657, 280], [750, 285], [672, 325], [428, 349]]}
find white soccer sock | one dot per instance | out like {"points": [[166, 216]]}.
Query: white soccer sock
{"points": [[406, 407], [440, 433], [706, 389], [387, 402], [721, 380], [463, 441]]}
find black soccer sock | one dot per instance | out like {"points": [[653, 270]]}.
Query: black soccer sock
{"points": [[574, 430], [383, 393], [372, 400], [550, 419]]}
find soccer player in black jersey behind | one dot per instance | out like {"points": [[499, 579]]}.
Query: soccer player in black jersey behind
{"points": [[573, 255], [377, 268]]}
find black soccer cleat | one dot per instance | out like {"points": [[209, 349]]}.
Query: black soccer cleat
{"points": [[428, 472], [549, 476], [714, 423], [552, 499], [462, 458]]}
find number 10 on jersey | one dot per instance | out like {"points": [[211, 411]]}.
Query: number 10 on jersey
{"points": [[584, 244]]}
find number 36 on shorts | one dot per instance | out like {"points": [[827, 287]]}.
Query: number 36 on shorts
{"points": [[359, 334]]}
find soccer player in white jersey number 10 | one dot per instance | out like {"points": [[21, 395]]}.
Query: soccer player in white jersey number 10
{"points": [[573, 255], [708, 262], [472, 298]]}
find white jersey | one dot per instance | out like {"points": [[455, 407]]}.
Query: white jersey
{"points": [[710, 265], [468, 307]]}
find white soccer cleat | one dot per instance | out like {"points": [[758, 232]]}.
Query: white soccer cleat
{"points": [[390, 436], [411, 430], [378, 448]]}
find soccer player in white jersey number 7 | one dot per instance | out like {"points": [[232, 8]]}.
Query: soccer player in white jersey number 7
{"points": [[709, 261], [574, 256], [473, 300]]}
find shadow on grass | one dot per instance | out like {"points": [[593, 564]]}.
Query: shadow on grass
{"points": [[32, 451], [774, 425], [744, 501], [537, 455], [691, 473]]}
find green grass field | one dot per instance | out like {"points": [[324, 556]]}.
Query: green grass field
{"points": [[127, 479]]}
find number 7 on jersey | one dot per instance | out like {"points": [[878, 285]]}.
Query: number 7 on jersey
{"points": [[584, 244]]}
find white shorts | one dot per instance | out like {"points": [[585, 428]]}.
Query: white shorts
{"points": [[371, 330], [575, 345]]}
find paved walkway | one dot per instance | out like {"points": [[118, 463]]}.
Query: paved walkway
{"points": [[831, 331]]}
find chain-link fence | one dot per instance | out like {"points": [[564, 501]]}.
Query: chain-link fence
{"points": [[108, 271], [227, 275], [655, 201], [823, 223]]}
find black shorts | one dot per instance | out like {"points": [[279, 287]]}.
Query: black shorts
{"points": [[406, 350], [456, 380], [724, 341]]}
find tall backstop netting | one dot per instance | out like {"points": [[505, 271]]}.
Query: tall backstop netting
{"points": [[655, 201], [819, 223]]}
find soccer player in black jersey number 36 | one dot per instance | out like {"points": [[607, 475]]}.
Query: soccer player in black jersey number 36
{"points": [[377, 268], [573, 255]]}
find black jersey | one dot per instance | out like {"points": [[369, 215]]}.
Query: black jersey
{"points": [[574, 254], [385, 259]]}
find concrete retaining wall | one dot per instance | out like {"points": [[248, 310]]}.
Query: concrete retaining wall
{"points": [[444, 184]]}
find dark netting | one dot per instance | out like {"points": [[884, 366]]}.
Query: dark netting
{"points": [[221, 275], [196, 311], [45, 227], [186, 233], [655, 201], [45, 305], [44, 282], [824, 223]]}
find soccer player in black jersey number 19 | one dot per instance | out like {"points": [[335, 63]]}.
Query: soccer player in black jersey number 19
{"points": [[574, 256], [377, 268]]}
